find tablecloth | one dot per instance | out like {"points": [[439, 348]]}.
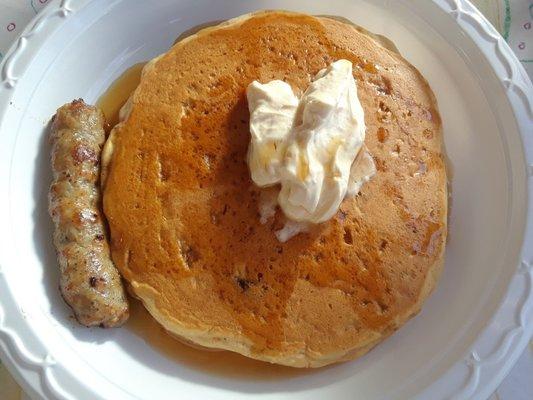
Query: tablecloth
{"points": [[512, 18]]}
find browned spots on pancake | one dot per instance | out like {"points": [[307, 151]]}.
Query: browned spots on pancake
{"points": [[184, 214], [362, 266], [382, 134]]}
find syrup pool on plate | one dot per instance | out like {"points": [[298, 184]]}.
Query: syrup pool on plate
{"points": [[116, 95]]}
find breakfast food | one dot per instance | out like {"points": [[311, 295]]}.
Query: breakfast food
{"points": [[89, 281], [183, 211]]}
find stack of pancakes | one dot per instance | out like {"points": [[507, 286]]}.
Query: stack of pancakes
{"points": [[183, 211]]}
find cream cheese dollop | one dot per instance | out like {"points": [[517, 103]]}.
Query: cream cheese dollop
{"points": [[309, 145], [272, 108]]}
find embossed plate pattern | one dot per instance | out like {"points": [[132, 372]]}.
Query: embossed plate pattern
{"points": [[472, 328]]}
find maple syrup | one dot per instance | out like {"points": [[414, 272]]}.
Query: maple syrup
{"points": [[118, 93], [221, 363]]}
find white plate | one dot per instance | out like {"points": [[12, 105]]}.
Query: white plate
{"points": [[472, 328]]}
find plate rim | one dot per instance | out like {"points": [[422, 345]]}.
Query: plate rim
{"points": [[481, 380]]}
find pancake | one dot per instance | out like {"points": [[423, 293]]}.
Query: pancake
{"points": [[183, 211]]}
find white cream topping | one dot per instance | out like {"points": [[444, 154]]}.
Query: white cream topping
{"points": [[291, 229], [309, 145], [272, 109]]}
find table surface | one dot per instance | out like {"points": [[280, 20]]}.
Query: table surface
{"points": [[512, 18]]}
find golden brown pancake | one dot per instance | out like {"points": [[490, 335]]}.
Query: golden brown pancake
{"points": [[183, 211]]}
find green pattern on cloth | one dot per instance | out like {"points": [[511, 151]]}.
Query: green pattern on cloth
{"points": [[507, 21]]}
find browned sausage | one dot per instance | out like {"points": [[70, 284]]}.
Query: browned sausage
{"points": [[89, 282]]}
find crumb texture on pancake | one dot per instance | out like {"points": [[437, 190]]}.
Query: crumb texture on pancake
{"points": [[183, 211]]}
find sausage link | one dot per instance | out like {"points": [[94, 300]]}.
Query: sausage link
{"points": [[89, 281]]}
